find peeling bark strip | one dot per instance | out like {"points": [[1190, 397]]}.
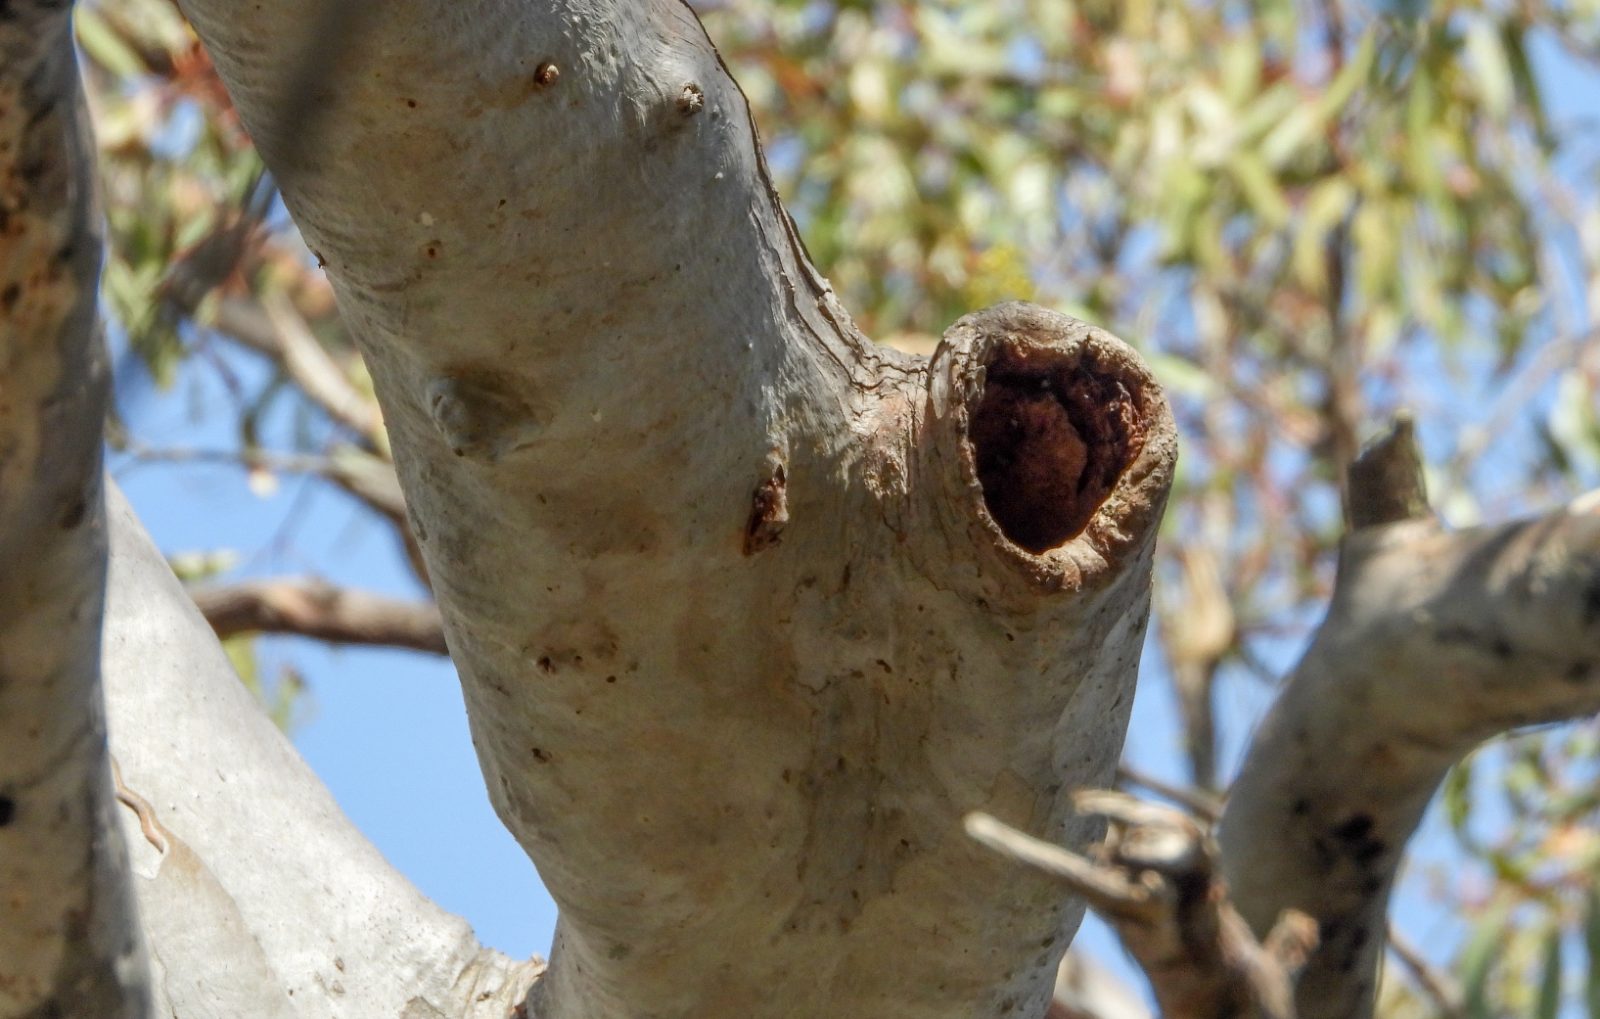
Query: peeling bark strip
{"points": [[69, 940], [589, 324]]}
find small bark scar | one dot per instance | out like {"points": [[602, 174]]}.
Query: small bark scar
{"points": [[769, 507], [480, 416], [153, 832]]}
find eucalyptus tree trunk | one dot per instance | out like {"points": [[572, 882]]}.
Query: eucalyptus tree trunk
{"points": [[749, 612]]}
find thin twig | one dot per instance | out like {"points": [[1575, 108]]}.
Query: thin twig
{"points": [[273, 328], [1439, 988], [1201, 804]]}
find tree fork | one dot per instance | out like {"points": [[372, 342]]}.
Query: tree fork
{"points": [[748, 612]]}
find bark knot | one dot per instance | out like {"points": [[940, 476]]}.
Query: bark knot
{"points": [[769, 508]]}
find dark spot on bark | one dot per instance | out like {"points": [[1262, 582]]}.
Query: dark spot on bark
{"points": [[39, 113], [611, 679], [1591, 600], [8, 810], [545, 664], [9, 296], [1501, 648], [1360, 845], [1301, 807], [541, 755], [1359, 826], [885, 667], [73, 513], [1579, 672], [1050, 440], [1325, 853], [769, 510], [412, 103]]}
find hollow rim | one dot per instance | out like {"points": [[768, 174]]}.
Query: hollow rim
{"points": [[1047, 343]]}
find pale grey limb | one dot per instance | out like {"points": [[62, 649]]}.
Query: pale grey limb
{"points": [[1435, 641], [258, 895]]}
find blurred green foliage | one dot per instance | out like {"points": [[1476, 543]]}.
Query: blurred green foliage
{"points": [[1305, 214]]}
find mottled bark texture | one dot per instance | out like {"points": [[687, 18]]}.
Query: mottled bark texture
{"points": [[69, 938], [748, 612]]}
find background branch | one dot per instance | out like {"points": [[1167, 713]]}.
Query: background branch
{"points": [[314, 608], [273, 328], [1154, 881]]}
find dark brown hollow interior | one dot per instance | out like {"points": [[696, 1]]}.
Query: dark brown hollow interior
{"points": [[1051, 437]]}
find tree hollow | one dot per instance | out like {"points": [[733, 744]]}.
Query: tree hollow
{"points": [[1051, 434]]}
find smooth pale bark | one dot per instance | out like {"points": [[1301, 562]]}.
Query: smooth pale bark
{"points": [[1434, 642], [69, 938], [259, 897], [740, 635]]}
